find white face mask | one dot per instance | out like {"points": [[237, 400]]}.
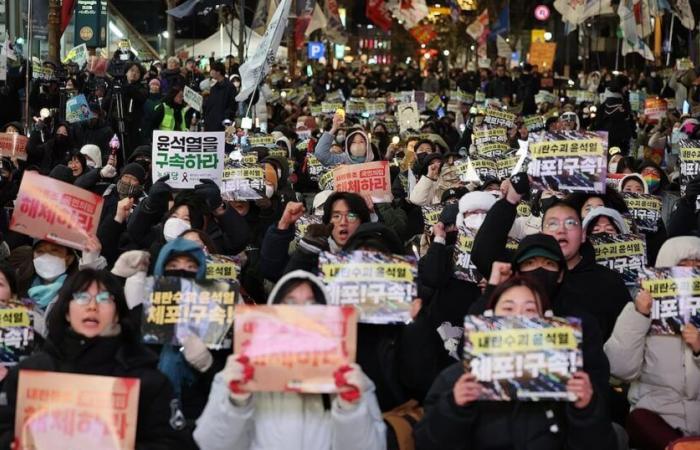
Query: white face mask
{"points": [[269, 190], [474, 221], [358, 150], [90, 163], [49, 267], [612, 167], [174, 227]]}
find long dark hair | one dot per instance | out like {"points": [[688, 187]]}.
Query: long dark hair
{"points": [[356, 204], [81, 281], [524, 281]]}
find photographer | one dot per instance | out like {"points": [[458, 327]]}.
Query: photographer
{"points": [[133, 98]]}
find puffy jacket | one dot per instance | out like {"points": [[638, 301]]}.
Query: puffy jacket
{"points": [[324, 155], [665, 374]]}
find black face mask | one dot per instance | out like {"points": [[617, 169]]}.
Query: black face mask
{"points": [[180, 273], [546, 278], [451, 237]]}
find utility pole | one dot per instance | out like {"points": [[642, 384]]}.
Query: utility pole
{"points": [[54, 23], [171, 29]]}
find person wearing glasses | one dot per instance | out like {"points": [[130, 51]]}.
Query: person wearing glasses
{"points": [[588, 286], [91, 333]]}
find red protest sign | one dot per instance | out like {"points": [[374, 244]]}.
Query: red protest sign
{"points": [[13, 145], [372, 178], [56, 211], [295, 348], [424, 34], [61, 411], [655, 109]]}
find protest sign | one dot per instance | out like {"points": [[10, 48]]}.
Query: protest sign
{"points": [[626, 254], [188, 157], [250, 159], [177, 307], [506, 164], [534, 124], [193, 98], [497, 118], [655, 109], [381, 286], [331, 107], [314, 167], [295, 348], [689, 161], [78, 55], [408, 116], [646, 210], [464, 267], [222, 267], [55, 211], [484, 135], [13, 145], [545, 97], [676, 297], [326, 179], [243, 183], [542, 54], [637, 99], [78, 110], [484, 167], [495, 150], [64, 411], [261, 141], [524, 359], [431, 215], [571, 165], [16, 331], [371, 178]]}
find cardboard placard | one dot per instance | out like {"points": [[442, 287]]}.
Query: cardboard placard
{"points": [[655, 109], [63, 411], [523, 359], [243, 183], [55, 211], [431, 215], [13, 145], [381, 286], [188, 157], [646, 210], [371, 178], [78, 110], [542, 55], [464, 267], [16, 332], [499, 119], [626, 254], [295, 348], [193, 98], [222, 267], [177, 307], [676, 297]]}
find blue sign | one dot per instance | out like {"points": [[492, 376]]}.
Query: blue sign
{"points": [[316, 50]]}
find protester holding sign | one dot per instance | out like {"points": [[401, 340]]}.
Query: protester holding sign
{"points": [[664, 371], [235, 418], [356, 148], [91, 332]]}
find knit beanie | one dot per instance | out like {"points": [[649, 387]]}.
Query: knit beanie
{"points": [[135, 170]]}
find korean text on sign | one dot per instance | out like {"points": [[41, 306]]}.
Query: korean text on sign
{"points": [[676, 297], [188, 157]]}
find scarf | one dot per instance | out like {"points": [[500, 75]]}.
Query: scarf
{"points": [[42, 294]]}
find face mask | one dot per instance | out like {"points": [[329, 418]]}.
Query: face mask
{"points": [[174, 227], [451, 237], [612, 167], [358, 150], [545, 203], [128, 189], [474, 221], [653, 182], [339, 139], [269, 190], [49, 267], [547, 279], [90, 164], [180, 273]]}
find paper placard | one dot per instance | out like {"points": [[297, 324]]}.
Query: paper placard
{"points": [[188, 157]]}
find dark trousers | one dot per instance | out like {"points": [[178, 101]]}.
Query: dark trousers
{"points": [[648, 431]]}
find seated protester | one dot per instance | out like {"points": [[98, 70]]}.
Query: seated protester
{"points": [[684, 218], [342, 214], [587, 286], [237, 419], [664, 370], [90, 333], [604, 220], [633, 183], [278, 192], [425, 191], [77, 164], [357, 148], [93, 178], [154, 222], [456, 419], [142, 156], [93, 156]]}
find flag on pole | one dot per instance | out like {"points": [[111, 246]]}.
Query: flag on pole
{"points": [[304, 11], [66, 13], [502, 24], [254, 69], [631, 40], [378, 12], [262, 17], [318, 21], [577, 11], [478, 29], [685, 14], [334, 29], [410, 11]]}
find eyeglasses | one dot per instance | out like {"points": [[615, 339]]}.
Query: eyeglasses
{"points": [[351, 217], [102, 298], [554, 225]]}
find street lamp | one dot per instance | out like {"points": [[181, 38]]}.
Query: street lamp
{"points": [[547, 36], [446, 53]]}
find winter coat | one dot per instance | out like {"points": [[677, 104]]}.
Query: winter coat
{"points": [[500, 87], [322, 151], [106, 356], [219, 105], [500, 425], [615, 118], [664, 372]]}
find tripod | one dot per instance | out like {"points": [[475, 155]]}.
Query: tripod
{"points": [[121, 127]]}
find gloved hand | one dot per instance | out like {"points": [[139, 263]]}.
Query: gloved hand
{"points": [[211, 193], [196, 353], [159, 195], [520, 183], [692, 190], [236, 373], [108, 171], [350, 382], [131, 262], [316, 238]]}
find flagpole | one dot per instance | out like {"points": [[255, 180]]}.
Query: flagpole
{"points": [[27, 119], [670, 38]]}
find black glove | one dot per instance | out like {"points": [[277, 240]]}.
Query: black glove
{"points": [[692, 190], [520, 183], [316, 238], [211, 194], [159, 195]]}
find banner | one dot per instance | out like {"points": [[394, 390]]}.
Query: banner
{"points": [[534, 124], [676, 295], [177, 307], [78, 110], [465, 269], [646, 210], [222, 267], [295, 348], [689, 161], [188, 157], [626, 254], [243, 183], [523, 359], [655, 109], [542, 55], [573, 165], [16, 332], [379, 13], [193, 98], [64, 411], [13, 145], [367, 178], [576, 11], [55, 211], [90, 22], [254, 69], [499, 119], [381, 286], [484, 135]]}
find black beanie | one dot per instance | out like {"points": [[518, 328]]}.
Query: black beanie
{"points": [[62, 173], [135, 170]]}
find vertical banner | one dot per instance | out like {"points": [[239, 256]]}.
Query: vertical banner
{"points": [[91, 23], [188, 157], [61, 411]]}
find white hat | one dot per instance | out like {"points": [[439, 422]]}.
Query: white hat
{"points": [[677, 249], [474, 201], [611, 214], [93, 152]]}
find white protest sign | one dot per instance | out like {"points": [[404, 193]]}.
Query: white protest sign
{"points": [[188, 157], [409, 116], [193, 98]]}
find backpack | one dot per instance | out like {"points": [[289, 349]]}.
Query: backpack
{"points": [[400, 422]]}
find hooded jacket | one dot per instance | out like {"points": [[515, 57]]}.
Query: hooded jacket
{"points": [[663, 371], [181, 246], [324, 155], [289, 421]]}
